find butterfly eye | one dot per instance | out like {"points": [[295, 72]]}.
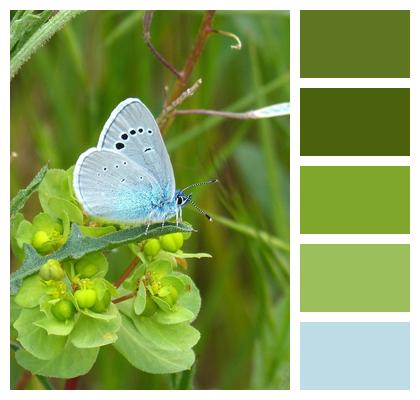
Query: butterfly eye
{"points": [[179, 201]]}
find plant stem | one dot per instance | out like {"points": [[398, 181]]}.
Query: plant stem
{"points": [[123, 298], [198, 47], [39, 38], [148, 15], [249, 231], [127, 271], [72, 383], [23, 380]]}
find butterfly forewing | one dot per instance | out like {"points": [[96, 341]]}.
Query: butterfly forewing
{"points": [[132, 131]]}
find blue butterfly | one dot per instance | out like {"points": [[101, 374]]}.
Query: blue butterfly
{"points": [[128, 178]]}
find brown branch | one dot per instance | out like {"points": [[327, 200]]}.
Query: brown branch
{"points": [[204, 31], [225, 114], [167, 111], [127, 272], [123, 298], [147, 22]]}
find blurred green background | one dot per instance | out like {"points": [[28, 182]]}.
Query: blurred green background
{"points": [[60, 100]]}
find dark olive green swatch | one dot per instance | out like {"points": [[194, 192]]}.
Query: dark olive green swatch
{"points": [[355, 277], [355, 200], [355, 122], [355, 44]]}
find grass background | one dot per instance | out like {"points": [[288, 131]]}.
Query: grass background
{"points": [[60, 100]]}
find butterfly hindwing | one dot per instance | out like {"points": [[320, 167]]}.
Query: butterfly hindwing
{"points": [[132, 131], [114, 188]]}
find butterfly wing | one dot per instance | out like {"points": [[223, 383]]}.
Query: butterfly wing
{"points": [[114, 188], [132, 131]]}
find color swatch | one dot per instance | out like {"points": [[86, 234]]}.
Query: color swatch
{"points": [[355, 277], [355, 44], [355, 122], [363, 200], [349, 355]]}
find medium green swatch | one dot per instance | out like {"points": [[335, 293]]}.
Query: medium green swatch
{"points": [[355, 44], [355, 277], [355, 122], [355, 200]]}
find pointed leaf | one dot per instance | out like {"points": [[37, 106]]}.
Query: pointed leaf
{"points": [[78, 245], [23, 195]]}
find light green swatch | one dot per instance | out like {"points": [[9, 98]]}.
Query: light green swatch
{"points": [[354, 277], [342, 200]]}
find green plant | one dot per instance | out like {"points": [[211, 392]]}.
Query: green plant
{"points": [[67, 309]]}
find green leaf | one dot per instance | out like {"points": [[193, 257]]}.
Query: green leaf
{"points": [[55, 327], [78, 245], [71, 362], [144, 355], [181, 254], [96, 231], [97, 259], [54, 185], [23, 195], [169, 337], [30, 292], [91, 332], [58, 207], [176, 315], [35, 339], [162, 304], [140, 300], [24, 233], [191, 298], [159, 268], [14, 225]]}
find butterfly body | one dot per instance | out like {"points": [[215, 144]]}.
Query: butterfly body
{"points": [[128, 178]]}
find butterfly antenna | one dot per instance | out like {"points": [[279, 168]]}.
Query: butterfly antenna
{"points": [[201, 211], [200, 183]]}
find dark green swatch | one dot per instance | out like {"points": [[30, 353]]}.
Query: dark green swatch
{"points": [[355, 122], [355, 277], [355, 200], [355, 44]]}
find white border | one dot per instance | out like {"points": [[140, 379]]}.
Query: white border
{"points": [[294, 6]]}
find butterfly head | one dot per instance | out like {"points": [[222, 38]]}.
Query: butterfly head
{"points": [[182, 198]]}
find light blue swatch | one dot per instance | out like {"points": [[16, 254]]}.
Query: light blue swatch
{"points": [[355, 355]]}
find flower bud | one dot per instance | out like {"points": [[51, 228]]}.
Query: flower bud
{"points": [[179, 239], [102, 305], [151, 248], [63, 310], [86, 298], [51, 270], [172, 242], [40, 239]]}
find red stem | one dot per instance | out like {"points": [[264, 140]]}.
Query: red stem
{"points": [[23, 380], [127, 272], [72, 383]]}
